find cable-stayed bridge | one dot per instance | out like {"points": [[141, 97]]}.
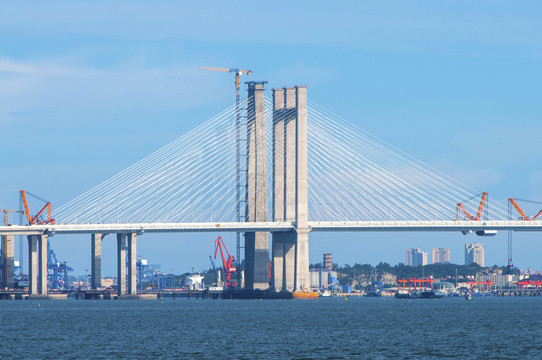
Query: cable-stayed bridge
{"points": [[283, 165]]}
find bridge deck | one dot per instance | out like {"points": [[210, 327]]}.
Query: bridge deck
{"points": [[142, 228]]}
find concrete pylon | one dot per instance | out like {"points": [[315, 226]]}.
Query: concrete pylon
{"points": [[9, 269], [302, 279], [291, 250], [121, 264], [289, 187], [256, 243], [42, 255], [33, 264], [132, 268], [277, 246], [284, 128], [96, 260], [37, 264]]}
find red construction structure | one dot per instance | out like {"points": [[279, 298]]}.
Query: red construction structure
{"points": [[537, 283], [227, 263], [521, 212], [416, 283], [487, 283], [38, 218], [478, 214]]}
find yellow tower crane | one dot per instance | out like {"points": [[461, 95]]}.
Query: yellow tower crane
{"points": [[238, 73]]}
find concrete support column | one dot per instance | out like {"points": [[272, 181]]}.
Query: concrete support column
{"points": [[302, 280], [42, 254], [32, 264], [289, 262], [256, 243], [96, 260], [9, 251], [289, 154], [132, 268], [289, 187], [121, 264], [277, 261], [277, 248], [278, 154]]}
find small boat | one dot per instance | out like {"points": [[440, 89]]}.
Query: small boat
{"points": [[468, 296], [402, 294], [325, 293], [432, 294]]}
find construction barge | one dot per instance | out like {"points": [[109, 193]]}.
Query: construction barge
{"points": [[228, 294]]}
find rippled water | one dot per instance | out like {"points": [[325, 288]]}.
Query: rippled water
{"points": [[330, 328]]}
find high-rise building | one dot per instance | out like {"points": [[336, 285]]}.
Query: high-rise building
{"points": [[328, 261], [440, 255], [415, 257], [474, 253]]}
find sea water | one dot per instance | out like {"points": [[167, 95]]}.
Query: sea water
{"points": [[327, 328]]}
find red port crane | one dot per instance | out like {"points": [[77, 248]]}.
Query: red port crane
{"points": [[228, 264], [38, 218]]}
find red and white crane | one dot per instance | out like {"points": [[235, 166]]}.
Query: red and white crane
{"points": [[228, 263]]}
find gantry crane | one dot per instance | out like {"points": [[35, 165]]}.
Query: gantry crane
{"points": [[238, 74], [229, 263]]}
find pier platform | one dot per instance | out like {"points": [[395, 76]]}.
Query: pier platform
{"points": [[136, 297], [47, 297]]}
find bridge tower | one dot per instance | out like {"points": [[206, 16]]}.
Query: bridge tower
{"points": [[256, 243], [290, 251]]}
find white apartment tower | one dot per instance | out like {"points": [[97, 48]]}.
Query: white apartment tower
{"points": [[474, 253], [415, 257], [440, 255]]}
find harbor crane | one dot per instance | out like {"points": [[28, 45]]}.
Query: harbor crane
{"points": [[228, 264], [238, 73]]}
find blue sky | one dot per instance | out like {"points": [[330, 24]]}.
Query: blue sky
{"points": [[87, 89]]}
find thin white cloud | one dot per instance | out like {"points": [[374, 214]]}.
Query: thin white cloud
{"points": [[399, 26], [9, 66], [66, 90]]}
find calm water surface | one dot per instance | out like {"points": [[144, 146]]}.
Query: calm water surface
{"points": [[330, 328]]}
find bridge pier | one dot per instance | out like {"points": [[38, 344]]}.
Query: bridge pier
{"points": [[37, 275], [132, 268], [277, 239], [302, 279], [123, 280], [256, 243], [290, 189], [42, 254], [32, 264], [121, 264], [96, 260], [9, 268]]}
